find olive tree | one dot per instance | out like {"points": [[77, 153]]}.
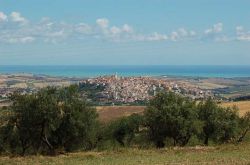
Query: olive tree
{"points": [[173, 116], [244, 126], [220, 124], [48, 120]]}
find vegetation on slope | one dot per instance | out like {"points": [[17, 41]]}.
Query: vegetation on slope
{"points": [[58, 120]]}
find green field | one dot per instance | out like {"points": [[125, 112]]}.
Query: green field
{"points": [[224, 154]]}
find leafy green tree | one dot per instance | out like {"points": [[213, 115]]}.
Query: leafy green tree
{"points": [[220, 124], [78, 128], [123, 130], [4, 130], [230, 125], [245, 126], [23, 123], [173, 116], [49, 120]]}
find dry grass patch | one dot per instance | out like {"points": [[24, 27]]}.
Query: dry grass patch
{"points": [[108, 113], [244, 106]]}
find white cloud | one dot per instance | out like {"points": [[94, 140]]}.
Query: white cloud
{"points": [[174, 36], [102, 22], [182, 34], [27, 39], [124, 29], [47, 30], [242, 35], [217, 28], [3, 17], [239, 29], [192, 33], [114, 33], [115, 30], [152, 37], [157, 37], [128, 29], [215, 33], [83, 28], [16, 17], [245, 37], [22, 40]]}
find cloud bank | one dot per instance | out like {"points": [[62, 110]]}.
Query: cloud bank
{"points": [[15, 28]]}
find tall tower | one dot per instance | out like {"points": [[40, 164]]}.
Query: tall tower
{"points": [[154, 89], [116, 75]]}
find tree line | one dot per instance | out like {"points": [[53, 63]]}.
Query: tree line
{"points": [[59, 120]]}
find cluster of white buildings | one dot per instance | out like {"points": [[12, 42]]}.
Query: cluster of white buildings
{"points": [[114, 88], [133, 89]]}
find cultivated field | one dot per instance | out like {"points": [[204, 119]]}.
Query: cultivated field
{"points": [[107, 113], [219, 155], [244, 106]]}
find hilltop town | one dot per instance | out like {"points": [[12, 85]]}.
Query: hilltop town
{"points": [[139, 89], [116, 89]]}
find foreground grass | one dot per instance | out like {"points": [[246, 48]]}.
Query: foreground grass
{"points": [[225, 154]]}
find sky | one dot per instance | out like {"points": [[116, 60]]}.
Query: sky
{"points": [[124, 32]]}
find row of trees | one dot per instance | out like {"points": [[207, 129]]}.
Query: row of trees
{"points": [[59, 120], [180, 119]]}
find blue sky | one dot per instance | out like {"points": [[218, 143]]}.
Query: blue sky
{"points": [[125, 32]]}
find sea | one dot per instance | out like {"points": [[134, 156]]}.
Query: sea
{"points": [[131, 70]]}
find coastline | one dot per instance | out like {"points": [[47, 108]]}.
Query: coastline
{"points": [[172, 71]]}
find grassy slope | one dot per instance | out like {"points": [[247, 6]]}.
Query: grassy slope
{"points": [[225, 154]]}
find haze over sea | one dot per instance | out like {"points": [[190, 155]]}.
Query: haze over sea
{"points": [[94, 71]]}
